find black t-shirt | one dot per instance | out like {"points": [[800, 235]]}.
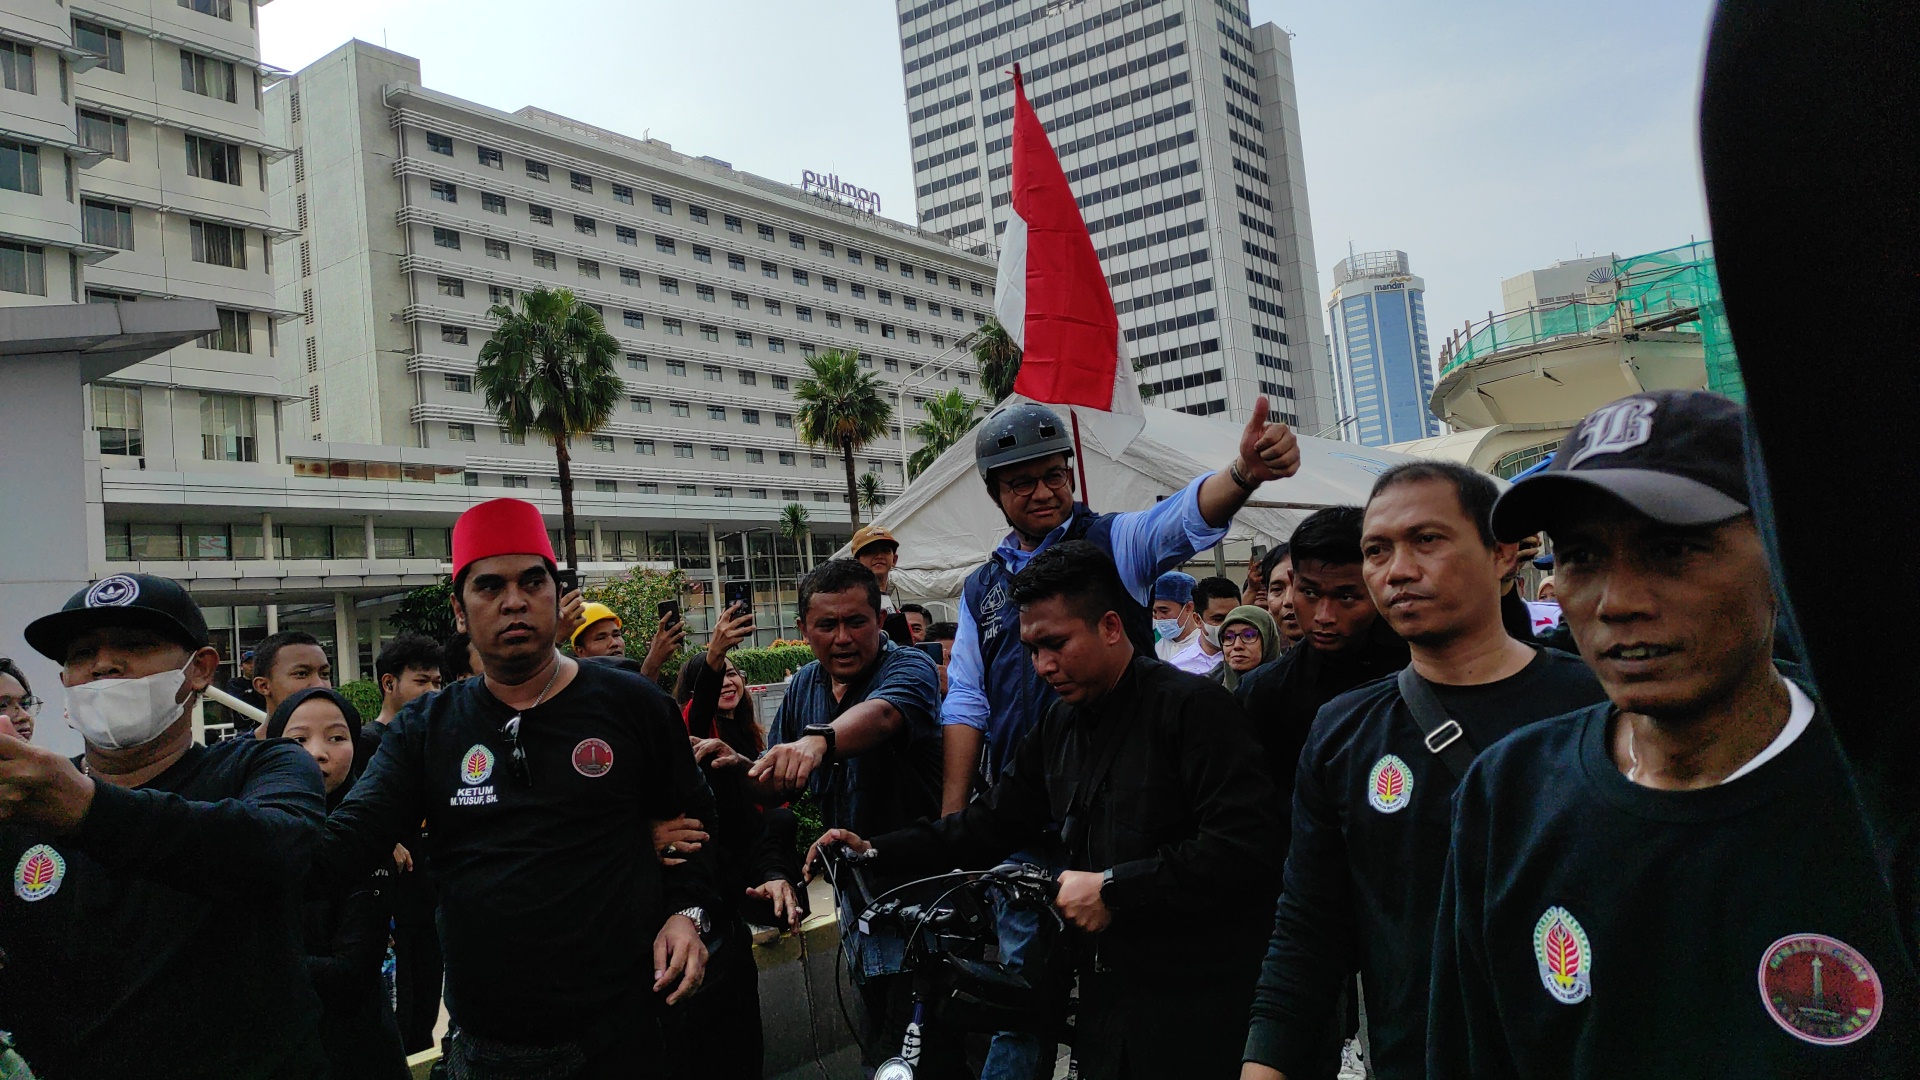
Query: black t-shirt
{"points": [[1590, 927], [1371, 812], [550, 895], [124, 955]]}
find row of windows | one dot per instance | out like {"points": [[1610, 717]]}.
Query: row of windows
{"points": [[1168, 326], [162, 542], [663, 204], [957, 205], [1257, 199], [1164, 296], [1128, 157], [1270, 334], [1080, 86], [1259, 278], [1258, 252], [451, 239], [1245, 117], [1235, 36], [1172, 232], [925, 111], [942, 132], [1243, 91], [1113, 44], [211, 242], [960, 46], [1177, 352], [950, 154], [1279, 363], [1254, 223], [1267, 306], [1159, 266], [1258, 174], [1274, 389], [1239, 64], [1180, 382], [1121, 130], [714, 373], [1138, 213], [953, 22], [945, 182], [614, 487]]}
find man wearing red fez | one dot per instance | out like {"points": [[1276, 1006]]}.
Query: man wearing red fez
{"points": [[538, 783]]}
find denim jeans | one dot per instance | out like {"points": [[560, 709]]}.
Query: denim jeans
{"points": [[1026, 937]]}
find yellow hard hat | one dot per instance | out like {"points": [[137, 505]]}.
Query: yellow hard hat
{"points": [[592, 613]]}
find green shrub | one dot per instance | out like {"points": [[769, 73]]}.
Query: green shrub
{"points": [[771, 665], [426, 610], [365, 695]]}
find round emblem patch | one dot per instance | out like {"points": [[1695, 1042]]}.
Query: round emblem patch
{"points": [[39, 873], [477, 765], [116, 591], [1390, 785], [1565, 956], [593, 757], [1820, 989]]}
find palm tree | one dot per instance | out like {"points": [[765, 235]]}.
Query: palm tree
{"points": [[793, 526], [549, 368], [949, 417], [872, 495], [998, 359], [841, 406]]}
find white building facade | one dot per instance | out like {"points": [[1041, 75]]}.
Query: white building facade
{"points": [[1176, 125]]}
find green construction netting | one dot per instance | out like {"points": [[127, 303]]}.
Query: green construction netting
{"points": [[1678, 282]]}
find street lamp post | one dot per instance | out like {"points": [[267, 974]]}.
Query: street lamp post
{"points": [[928, 370]]}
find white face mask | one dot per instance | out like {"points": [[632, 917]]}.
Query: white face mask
{"points": [[118, 713], [1166, 629], [1213, 634]]}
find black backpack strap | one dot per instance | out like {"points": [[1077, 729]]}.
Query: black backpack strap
{"points": [[1444, 736], [1073, 831]]}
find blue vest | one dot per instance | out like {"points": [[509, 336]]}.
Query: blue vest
{"points": [[1016, 696]]}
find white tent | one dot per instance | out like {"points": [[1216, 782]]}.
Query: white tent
{"points": [[946, 525]]}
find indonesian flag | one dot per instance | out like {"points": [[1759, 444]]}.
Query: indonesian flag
{"points": [[1053, 299]]}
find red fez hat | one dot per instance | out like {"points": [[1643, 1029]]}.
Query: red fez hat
{"points": [[500, 527]]}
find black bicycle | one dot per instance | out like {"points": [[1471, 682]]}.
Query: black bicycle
{"points": [[947, 922]]}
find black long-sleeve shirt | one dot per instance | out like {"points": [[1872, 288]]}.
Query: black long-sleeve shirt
{"points": [[123, 953], [1184, 818], [1282, 697], [550, 895], [1372, 808], [1590, 927]]}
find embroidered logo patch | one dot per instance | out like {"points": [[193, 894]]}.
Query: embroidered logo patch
{"points": [[1820, 989], [116, 591], [1565, 956], [39, 873], [593, 757], [1390, 785], [1614, 428], [477, 765]]}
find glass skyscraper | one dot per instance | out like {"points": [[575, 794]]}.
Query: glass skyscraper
{"points": [[1383, 374]]}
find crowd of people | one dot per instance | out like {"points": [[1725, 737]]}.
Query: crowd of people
{"points": [[1350, 812]]}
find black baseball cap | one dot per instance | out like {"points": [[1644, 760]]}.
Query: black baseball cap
{"points": [[138, 601], [1677, 456]]}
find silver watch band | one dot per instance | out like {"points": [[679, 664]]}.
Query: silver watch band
{"points": [[698, 916]]}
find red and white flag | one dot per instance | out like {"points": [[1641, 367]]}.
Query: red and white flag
{"points": [[1052, 296]]}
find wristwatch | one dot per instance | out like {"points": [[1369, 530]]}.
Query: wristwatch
{"points": [[698, 915], [1106, 879], [825, 731]]}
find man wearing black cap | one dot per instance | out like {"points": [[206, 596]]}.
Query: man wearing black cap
{"points": [[1679, 882], [128, 863]]}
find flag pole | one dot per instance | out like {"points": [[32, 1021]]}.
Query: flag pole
{"points": [[1080, 457]]}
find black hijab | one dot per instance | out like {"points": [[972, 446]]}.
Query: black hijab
{"points": [[276, 728]]}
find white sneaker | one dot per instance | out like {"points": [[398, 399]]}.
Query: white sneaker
{"points": [[1352, 1065]]}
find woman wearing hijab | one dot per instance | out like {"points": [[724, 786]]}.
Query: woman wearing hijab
{"points": [[1248, 638], [345, 936]]}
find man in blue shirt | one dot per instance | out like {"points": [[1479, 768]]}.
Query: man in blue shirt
{"points": [[859, 728], [1025, 456]]}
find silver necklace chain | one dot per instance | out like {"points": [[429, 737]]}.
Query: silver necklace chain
{"points": [[558, 661]]}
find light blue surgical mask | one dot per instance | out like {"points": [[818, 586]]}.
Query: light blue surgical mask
{"points": [[1166, 629]]}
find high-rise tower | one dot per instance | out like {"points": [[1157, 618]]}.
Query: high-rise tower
{"points": [[1383, 373], [1175, 122]]}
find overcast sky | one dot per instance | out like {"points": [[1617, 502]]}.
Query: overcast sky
{"points": [[1482, 137]]}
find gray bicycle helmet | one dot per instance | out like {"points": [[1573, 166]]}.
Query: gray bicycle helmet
{"points": [[1019, 433]]}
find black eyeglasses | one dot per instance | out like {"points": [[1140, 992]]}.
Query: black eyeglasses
{"points": [[516, 754], [1057, 478]]}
